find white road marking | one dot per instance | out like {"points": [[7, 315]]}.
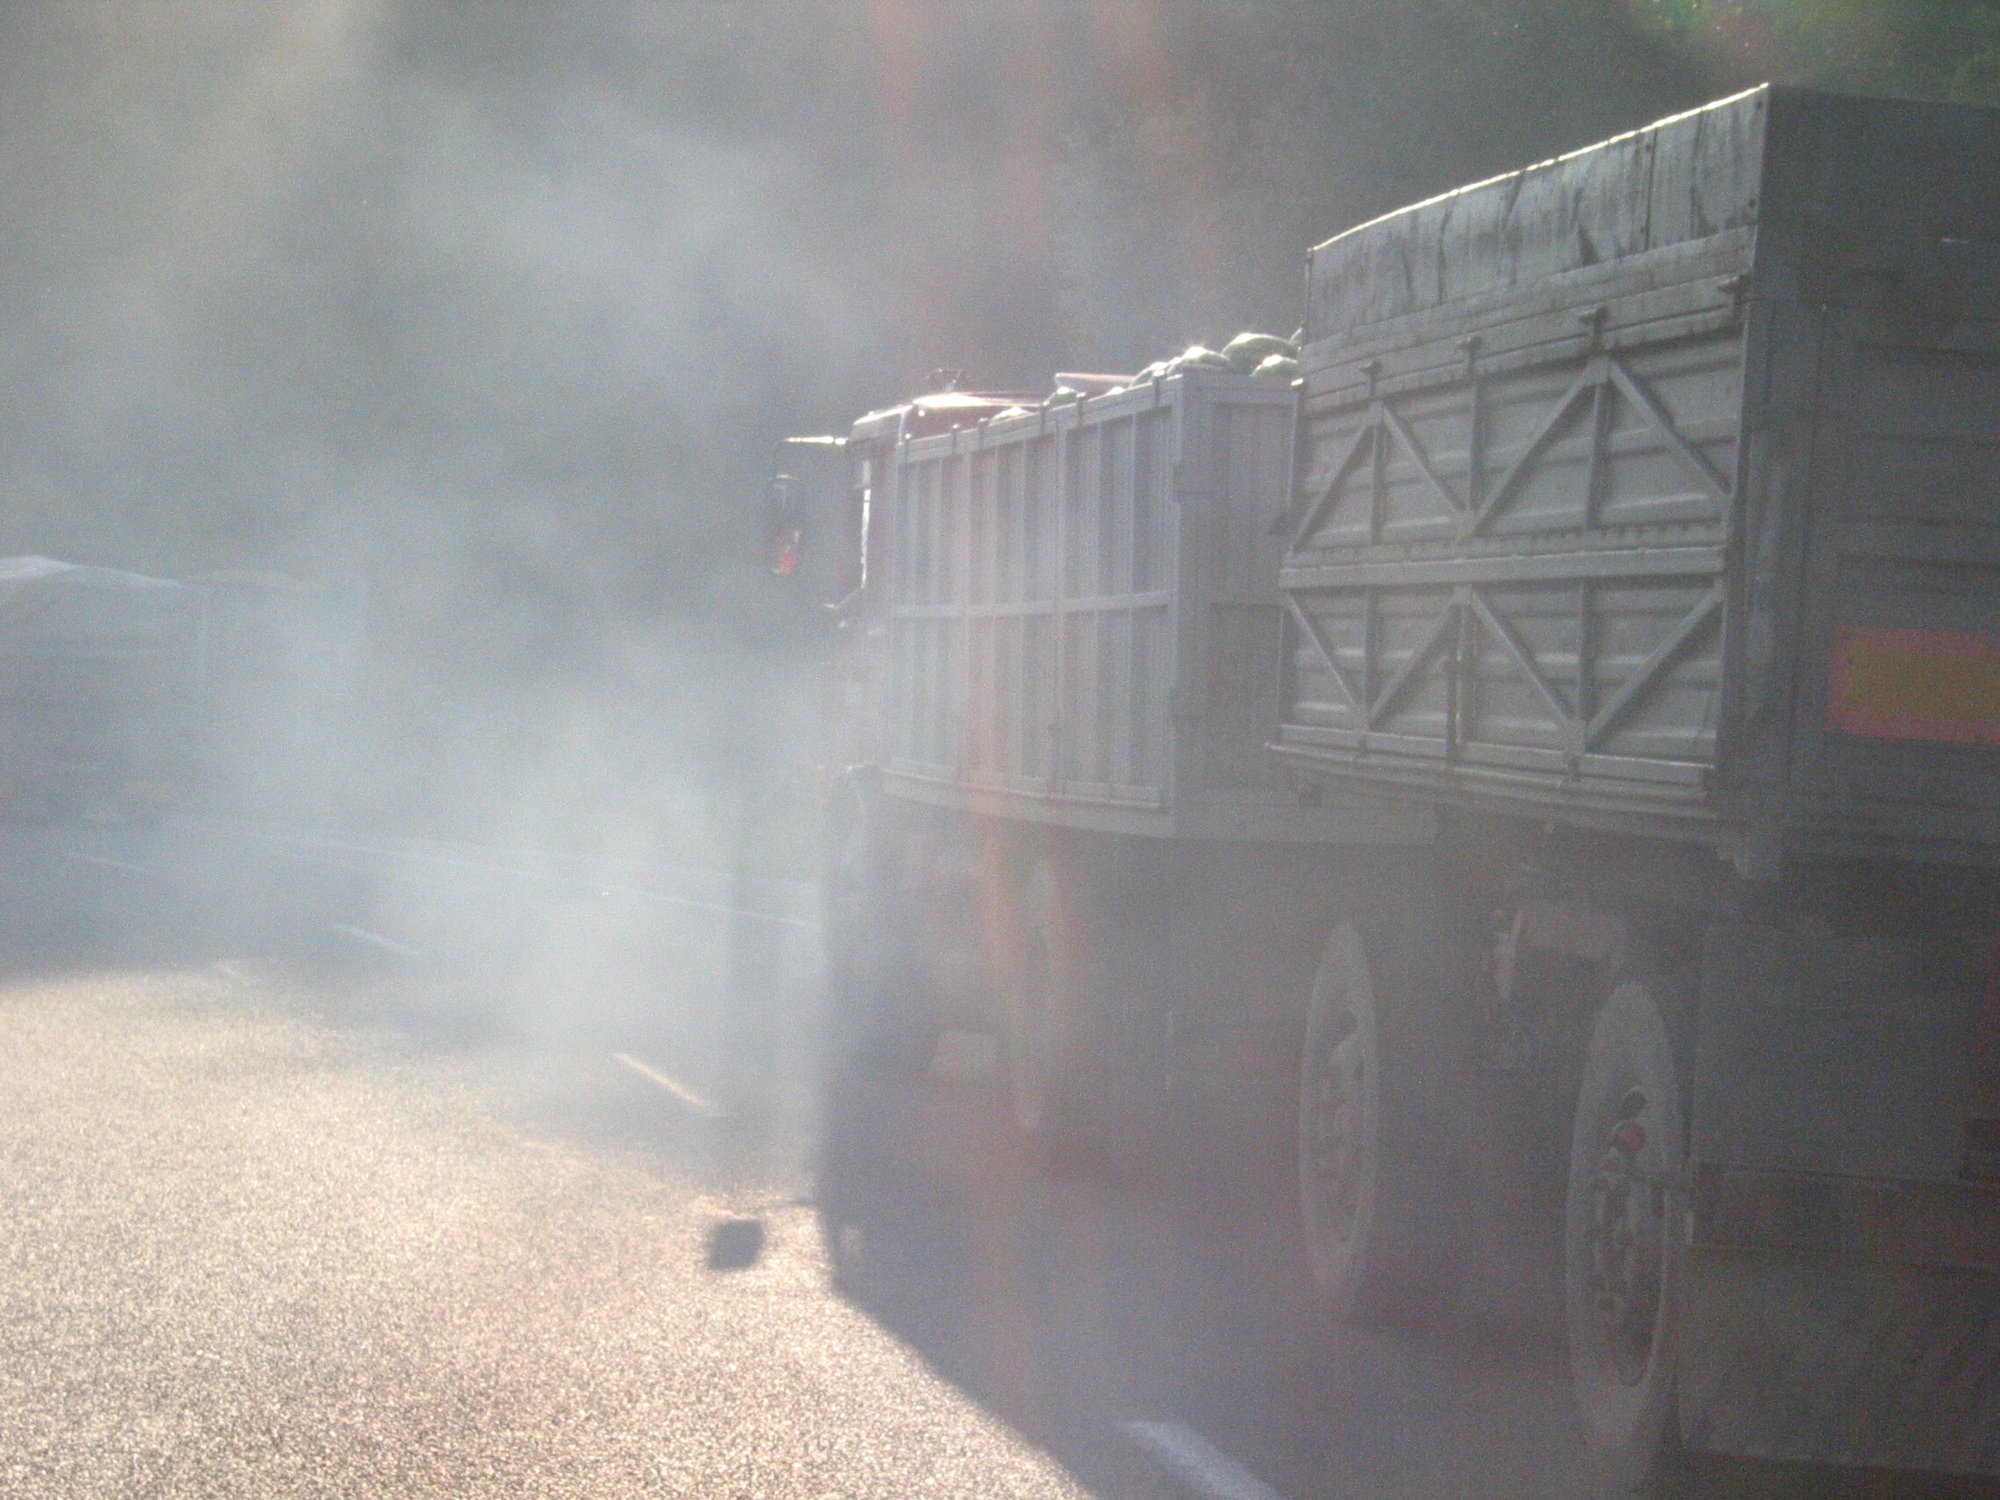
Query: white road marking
{"points": [[109, 863], [680, 1091], [375, 940], [1196, 1462]]}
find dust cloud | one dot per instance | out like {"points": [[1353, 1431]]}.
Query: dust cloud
{"points": [[484, 320]]}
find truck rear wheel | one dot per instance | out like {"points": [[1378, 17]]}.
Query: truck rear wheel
{"points": [[1619, 1252], [1378, 1173]]}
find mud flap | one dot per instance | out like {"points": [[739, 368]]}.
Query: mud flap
{"points": [[1833, 1362], [1840, 1295]]}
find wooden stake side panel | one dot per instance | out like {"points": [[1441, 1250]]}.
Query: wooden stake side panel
{"points": [[1085, 623]]}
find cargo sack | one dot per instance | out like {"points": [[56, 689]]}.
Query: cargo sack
{"points": [[1247, 351], [1199, 357]]}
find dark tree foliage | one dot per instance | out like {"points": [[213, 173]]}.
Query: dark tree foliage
{"points": [[1933, 49]]}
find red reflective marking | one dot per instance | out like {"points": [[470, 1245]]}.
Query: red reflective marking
{"points": [[1933, 685]]}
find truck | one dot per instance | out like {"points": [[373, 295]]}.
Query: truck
{"points": [[100, 680], [1546, 758]]}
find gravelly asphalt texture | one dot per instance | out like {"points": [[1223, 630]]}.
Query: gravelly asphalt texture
{"points": [[248, 1250], [284, 1215], [281, 1219]]}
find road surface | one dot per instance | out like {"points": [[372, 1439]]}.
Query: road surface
{"points": [[349, 1168]]}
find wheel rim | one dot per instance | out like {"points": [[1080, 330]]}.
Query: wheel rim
{"points": [[1338, 1120], [1620, 1258], [1336, 1155], [1625, 1240]]}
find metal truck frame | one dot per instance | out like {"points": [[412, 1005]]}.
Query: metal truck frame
{"points": [[1550, 759]]}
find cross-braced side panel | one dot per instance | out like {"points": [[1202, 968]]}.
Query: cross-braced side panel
{"points": [[1518, 675], [1339, 485], [1539, 434], [1392, 471], [1629, 439], [1364, 661], [1671, 456], [1657, 669], [1415, 639], [1425, 475], [1559, 675], [1517, 570], [1326, 661], [1605, 439], [1629, 669]]}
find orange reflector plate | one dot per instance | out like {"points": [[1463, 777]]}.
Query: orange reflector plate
{"points": [[1916, 685]]}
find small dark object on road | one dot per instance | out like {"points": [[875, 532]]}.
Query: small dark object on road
{"points": [[735, 1244]]}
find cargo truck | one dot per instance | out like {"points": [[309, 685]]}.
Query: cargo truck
{"points": [[1554, 746], [100, 674]]}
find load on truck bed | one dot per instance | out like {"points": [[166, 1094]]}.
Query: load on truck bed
{"points": [[1659, 485]]}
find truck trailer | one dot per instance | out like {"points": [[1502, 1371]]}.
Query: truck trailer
{"points": [[1552, 748]]}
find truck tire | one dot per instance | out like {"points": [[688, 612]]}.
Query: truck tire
{"points": [[1379, 1174], [1620, 1257]]}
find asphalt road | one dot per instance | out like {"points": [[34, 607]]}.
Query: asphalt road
{"points": [[284, 1221], [358, 1170]]}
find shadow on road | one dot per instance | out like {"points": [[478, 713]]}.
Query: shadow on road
{"points": [[1069, 1306], [1066, 1307]]}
